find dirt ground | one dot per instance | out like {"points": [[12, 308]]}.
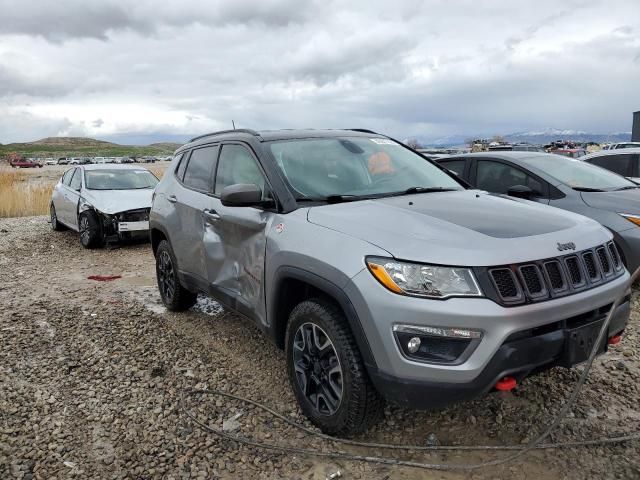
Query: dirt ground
{"points": [[91, 375]]}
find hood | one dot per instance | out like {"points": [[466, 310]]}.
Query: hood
{"points": [[115, 201], [623, 201], [470, 228]]}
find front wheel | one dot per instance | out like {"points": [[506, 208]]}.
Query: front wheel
{"points": [[90, 230], [174, 296], [326, 370]]}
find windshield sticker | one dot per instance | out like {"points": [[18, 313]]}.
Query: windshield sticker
{"points": [[383, 141]]}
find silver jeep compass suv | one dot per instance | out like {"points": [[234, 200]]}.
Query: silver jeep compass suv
{"points": [[380, 275]]}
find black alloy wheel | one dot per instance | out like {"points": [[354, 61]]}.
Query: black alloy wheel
{"points": [[317, 367]]}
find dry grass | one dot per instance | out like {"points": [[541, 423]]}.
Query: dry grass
{"points": [[18, 198], [157, 171]]}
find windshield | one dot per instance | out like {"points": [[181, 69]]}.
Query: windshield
{"points": [[119, 179], [578, 174], [355, 166]]}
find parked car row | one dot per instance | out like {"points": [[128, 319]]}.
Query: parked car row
{"points": [[384, 276], [39, 162]]}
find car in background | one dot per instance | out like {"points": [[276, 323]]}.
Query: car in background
{"points": [[527, 147], [561, 182], [24, 163], [570, 152], [625, 162], [63, 161], [103, 203], [50, 161], [621, 145]]}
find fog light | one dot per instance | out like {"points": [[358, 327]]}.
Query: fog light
{"points": [[413, 345]]}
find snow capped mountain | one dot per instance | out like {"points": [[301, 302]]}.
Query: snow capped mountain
{"points": [[542, 136]]}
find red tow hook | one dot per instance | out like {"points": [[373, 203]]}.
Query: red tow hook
{"points": [[506, 384], [615, 339]]}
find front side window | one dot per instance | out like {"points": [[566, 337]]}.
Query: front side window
{"points": [[237, 165], [355, 166], [128, 179], [619, 164], [66, 178], [456, 166], [199, 172], [76, 180], [498, 177]]}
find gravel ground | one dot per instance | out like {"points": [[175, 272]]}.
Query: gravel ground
{"points": [[91, 375]]}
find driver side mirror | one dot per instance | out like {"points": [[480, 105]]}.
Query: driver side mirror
{"points": [[241, 195], [521, 191]]}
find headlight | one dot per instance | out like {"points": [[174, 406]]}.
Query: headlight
{"points": [[430, 281], [632, 218]]}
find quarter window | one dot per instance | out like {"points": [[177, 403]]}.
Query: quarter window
{"points": [[182, 165], [199, 171], [237, 165], [499, 177]]}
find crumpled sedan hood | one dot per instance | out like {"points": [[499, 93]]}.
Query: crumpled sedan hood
{"points": [[115, 201], [470, 228]]}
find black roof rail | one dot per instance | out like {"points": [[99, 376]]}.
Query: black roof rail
{"points": [[362, 130], [237, 130]]}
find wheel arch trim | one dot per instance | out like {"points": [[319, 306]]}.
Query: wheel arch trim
{"points": [[330, 289]]}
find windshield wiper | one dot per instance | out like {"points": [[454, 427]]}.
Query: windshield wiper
{"points": [[411, 190], [628, 187], [587, 189]]}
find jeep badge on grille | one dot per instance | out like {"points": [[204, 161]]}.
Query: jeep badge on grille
{"points": [[566, 246]]}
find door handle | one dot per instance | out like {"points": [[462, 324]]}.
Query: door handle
{"points": [[211, 214], [172, 198]]}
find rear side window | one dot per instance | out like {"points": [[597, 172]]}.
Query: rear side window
{"points": [[620, 164], [66, 178], [456, 166], [199, 172]]}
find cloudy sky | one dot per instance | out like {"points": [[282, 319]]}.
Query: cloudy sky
{"points": [[407, 68]]}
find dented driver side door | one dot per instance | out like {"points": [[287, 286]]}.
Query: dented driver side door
{"points": [[235, 237]]}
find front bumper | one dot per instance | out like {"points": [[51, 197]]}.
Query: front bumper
{"points": [[517, 358], [516, 341]]}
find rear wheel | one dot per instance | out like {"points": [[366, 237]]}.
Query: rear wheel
{"points": [[326, 370], [90, 230], [174, 296], [55, 225]]}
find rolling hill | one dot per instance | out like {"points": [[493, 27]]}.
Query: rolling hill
{"points": [[84, 147]]}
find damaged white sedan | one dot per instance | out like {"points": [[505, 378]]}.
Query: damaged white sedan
{"points": [[103, 203]]}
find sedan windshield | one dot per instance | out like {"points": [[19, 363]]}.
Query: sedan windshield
{"points": [[321, 168], [119, 179], [579, 175]]}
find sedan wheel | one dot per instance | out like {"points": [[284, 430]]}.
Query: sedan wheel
{"points": [[55, 225]]}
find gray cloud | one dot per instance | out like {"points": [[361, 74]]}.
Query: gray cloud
{"points": [[419, 68]]}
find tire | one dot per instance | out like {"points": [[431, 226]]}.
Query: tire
{"points": [[55, 225], [90, 230], [344, 403], [174, 296]]}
